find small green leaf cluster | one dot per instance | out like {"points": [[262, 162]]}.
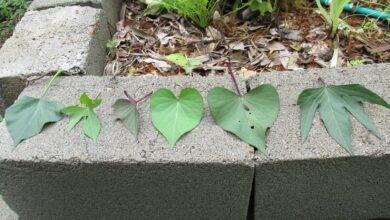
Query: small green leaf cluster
{"points": [[199, 11], [262, 6], [186, 63], [248, 116]]}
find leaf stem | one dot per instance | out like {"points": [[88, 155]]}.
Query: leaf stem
{"points": [[145, 97], [50, 82], [229, 66], [131, 100]]}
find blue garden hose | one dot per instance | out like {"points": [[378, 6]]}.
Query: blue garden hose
{"points": [[362, 10]]}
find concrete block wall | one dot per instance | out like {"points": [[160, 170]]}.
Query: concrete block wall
{"points": [[209, 175], [64, 175], [318, 179], [56, 36]]}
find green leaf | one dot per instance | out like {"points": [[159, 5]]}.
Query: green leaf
{"points": [[91, 122], [247, 117], [174, 117], [334, 103], [128, 114], [27, 117], [180, 60]]}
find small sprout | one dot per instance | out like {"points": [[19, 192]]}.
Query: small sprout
{"points": [[180, 60], [356, 62], [111, 44]]}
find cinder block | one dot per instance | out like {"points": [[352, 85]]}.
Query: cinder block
{"points": [[110, 7], [61, 175], [318, 179], [68, 38]]}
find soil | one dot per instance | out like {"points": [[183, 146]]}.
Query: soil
{"points": [[286, 40]]}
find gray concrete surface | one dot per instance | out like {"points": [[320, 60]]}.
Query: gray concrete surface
{"points": [[68, 38], [110, 7], [60, 175], [318, 179]]}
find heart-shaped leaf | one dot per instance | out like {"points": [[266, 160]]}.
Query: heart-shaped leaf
{"points": [[174, 117], [91, 122], [27, 117], [249, 116], [128, 114]]}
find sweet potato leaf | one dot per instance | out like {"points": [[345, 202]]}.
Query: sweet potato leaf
{"points": [[127, 112], [27, 117], [91, 122], [174, 117], [248, 116], [334, 103]]}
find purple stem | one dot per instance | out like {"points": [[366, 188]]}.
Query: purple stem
{"points": [[229, 66], [131, 100], [145, 97], [135, 102]]}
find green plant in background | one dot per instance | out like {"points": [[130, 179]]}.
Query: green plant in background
{"points": [[27, 116], [332, 16], [262, 6], [126, 111], [180, 60], [10, 13], [334, 103], [91, 122], [369, 25], [174, 117], [111, 44], [247, 116], [199, 11], [356, 62]]}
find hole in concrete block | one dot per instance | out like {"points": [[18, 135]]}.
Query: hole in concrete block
{"points": [[10, 88]]}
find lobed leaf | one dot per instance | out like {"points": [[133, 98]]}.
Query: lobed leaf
{"points": [[91, 122], [27, 117], [334, 103]]}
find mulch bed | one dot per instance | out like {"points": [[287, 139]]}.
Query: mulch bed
{"points": [[293, 40]]}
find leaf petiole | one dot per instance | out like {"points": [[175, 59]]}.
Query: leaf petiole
{"points": [[50, 82], [135, 102], [229, 66]]}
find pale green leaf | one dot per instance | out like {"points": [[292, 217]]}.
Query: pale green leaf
{"points": [[174, 117], [91, 123], [334, 103], [180, 60], [27, 117], [128, 114], [75, 114], [248, 117]]}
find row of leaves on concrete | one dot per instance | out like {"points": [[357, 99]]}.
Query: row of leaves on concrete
{"points": [[247, 116]]}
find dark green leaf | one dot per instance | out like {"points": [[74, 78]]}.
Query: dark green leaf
{"points": [[174, 117], [128, 114], [27, 117], [248, 117], [334, 103]]}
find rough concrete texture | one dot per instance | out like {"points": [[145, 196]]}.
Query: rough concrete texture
{"points": [[60, 175], [110, 7], [318, 180], [68, 38]]}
